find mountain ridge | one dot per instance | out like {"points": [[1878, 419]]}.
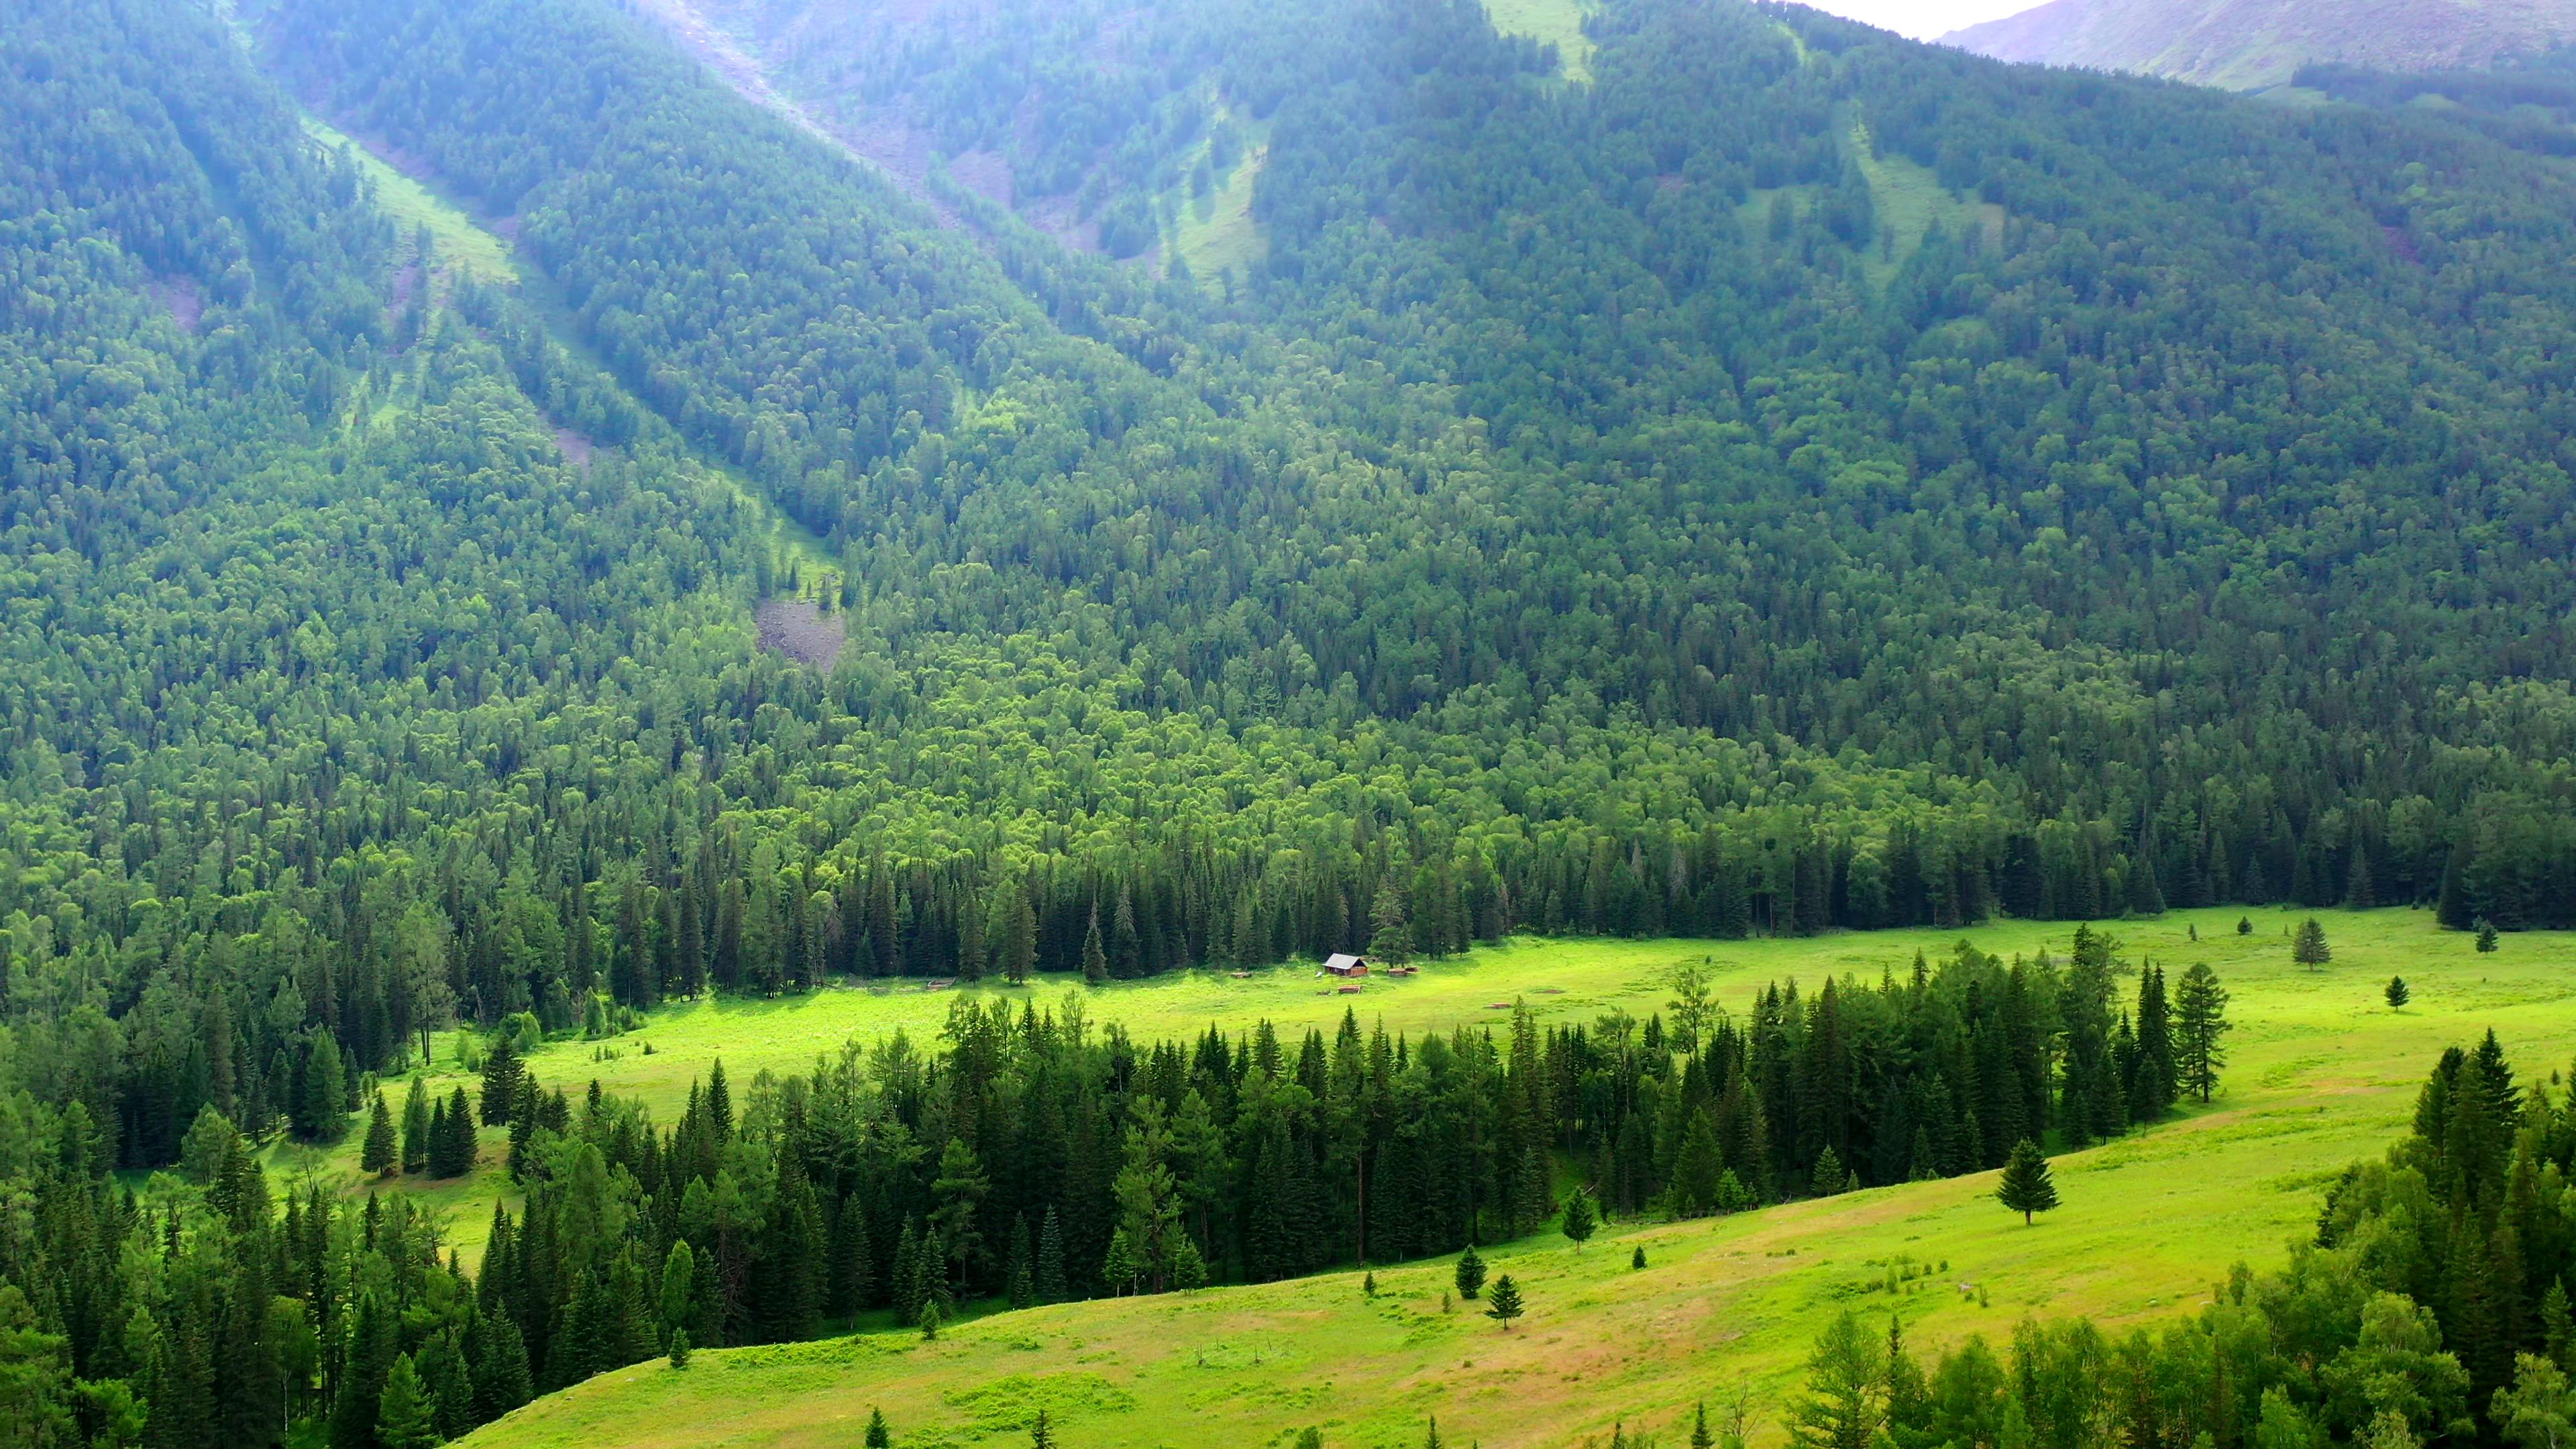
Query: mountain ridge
{"points": [[2254, 44]]}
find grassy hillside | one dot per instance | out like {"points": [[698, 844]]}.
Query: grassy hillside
{"points": [[2251, 44], [2322, 1072]]}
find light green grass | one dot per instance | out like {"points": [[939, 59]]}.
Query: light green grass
{"points": [[2322, 1073], [461, 244], [1215, 233], [1909, 200], [1550, 22]]}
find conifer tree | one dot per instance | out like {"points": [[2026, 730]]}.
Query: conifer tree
{"points": [[1390, 930], [404, 1413], [878, 1435], [1022, 1269], [1829, 1177], [678, 1297], [1095, 956], [2309, 947], [1579, 1217], [1040, 1436], [2026, 1188], [501, 1072], [679, 1348], [1699, 1438], [380, 1155], [1471, 1273], [2200, 1019], [1504, 1304], [1052, 1286], [2486, 938], [1637, 1259], [415, 1128], [2397, 993]]}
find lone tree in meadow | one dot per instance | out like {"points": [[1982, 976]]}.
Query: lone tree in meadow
{"points": [[1040, 1435], [2026, 1188], [2398, 995], [1471, 1273], [2486, 937], [879, 1436], [1580, 1220], [2200, 1019], [1505, 1304], [2309, 947]]}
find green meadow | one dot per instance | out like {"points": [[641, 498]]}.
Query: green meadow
{"points": [[2321, 1072]]}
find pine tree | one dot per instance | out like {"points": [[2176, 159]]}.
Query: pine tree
{"points": [[1637, 1259], [415, 1128], [1471, 1273], [1390, 930], [380, 1154], [929, 1319], [1504, 1304], [1040, 1436], [1829, 1177], [2309, 948], [1699, 1438], [1052, 1287], [679, 1348], [2486, 937], [2244, 925], [2026, 1187], [2200, 1019], [404, 1413], [679, 1286], [321, 1106], [500, 1081], [1579, 1217], [2397, 993], [878, 1436], [1022, 1271], [1095, 956]]}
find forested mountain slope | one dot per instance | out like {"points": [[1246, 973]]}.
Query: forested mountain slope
{"points": [[2250, 44], [1795, 479], [1785, 480]]}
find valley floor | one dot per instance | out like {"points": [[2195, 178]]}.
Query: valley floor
{"points": [[2321, 1073]]}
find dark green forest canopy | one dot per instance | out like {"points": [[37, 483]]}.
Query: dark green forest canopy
{"points": [[1795, 480]]}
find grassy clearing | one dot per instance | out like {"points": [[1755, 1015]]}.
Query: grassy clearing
{"points": [[1550, 22], [459, 242], [2322, 1073], [1910, 200], [1215, 233]]}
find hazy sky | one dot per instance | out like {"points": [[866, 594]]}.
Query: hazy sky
{"points": [[1922, 19]]}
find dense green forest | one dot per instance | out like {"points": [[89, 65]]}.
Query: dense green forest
{"points": [[2432, 1307], [1026, 1157], [1600, 513], [1793, 481]]}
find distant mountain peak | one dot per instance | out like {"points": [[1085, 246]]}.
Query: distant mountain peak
{"points": [[2251, 44]]}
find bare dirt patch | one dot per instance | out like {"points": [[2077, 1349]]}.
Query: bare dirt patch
{"points": [[799, 630], [986, 173], [182, 298], [575, 448]]}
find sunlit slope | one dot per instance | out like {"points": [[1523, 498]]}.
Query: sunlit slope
{"points": [[2322, 1072]]}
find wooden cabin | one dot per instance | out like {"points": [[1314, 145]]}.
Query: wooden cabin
{"points": [[1345, 965]]}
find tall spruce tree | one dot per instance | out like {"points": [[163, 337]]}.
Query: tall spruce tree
{"points": [[2026, 1188]]}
